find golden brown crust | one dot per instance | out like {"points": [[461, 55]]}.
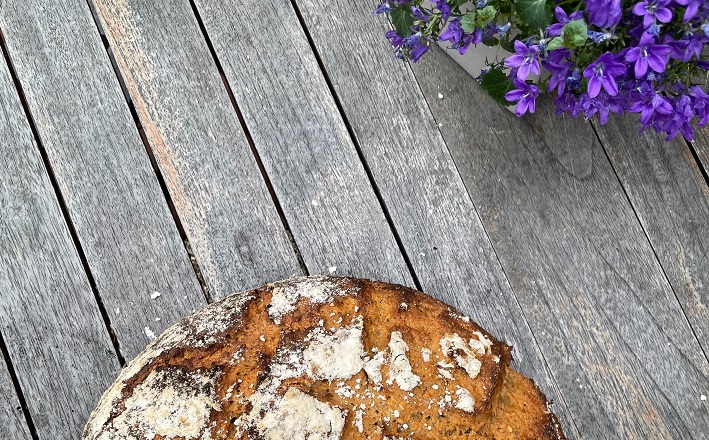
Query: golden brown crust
{"points": [[322, 358]]}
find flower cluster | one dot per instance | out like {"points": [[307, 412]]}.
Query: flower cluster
{"points": [[598, 56]]}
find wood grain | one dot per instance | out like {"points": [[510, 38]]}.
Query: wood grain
{"points": [[431, 211], [210, 172], [614, 335], [50, 322], [701, 147], [113, 198], [320, 183], [300, 136], [12, 421], [671, 199]]}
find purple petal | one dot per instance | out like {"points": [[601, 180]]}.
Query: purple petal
{"points": [[648, 20], [520, 47], [610, 86], [657, 63], [594, 87], [640, 67], [514, 61], [514, 95], [691, 11], [532, 105], [523, 72], [535, 67], [663, 15], [633, 54], [639, 9]]}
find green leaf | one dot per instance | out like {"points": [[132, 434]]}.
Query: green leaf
{"points": [[496, 84], [534, 13], [457, 3], [467, 23], [508, 45], [485, 15], [491, 42], [575, 33], [403, 20], [556, 43]]}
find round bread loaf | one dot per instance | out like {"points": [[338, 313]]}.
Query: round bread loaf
{"points": [[323, 358]]}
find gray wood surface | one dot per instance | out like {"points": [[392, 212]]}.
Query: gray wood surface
{"points": [[701, 147], [213, 178], [12, 421], [113, 198], [431, 211], [671, 199], [600, 306], [299, 134], [50, 322]]}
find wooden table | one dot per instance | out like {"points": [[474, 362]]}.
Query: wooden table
{"points": [[158, 155]]}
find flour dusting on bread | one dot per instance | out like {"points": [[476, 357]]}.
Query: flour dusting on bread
{"points": [[170, 403], [286, 294], [339, 355], [399, 365]]}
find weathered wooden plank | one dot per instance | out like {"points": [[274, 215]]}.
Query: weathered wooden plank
{"points": [[210, 172], [113, 198], [304, 144], [425, 197], [51, 324], [317, 177], [701, 147], [615, 336], [671, 199], [12, 422]]}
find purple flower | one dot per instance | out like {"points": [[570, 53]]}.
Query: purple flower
{"points": [[383, 8], [701, 104], [525, 60], [459, 38], [604, 13], [445, 8], [416, 46], [599, 37], [649, 105], [396, 41], [603, 105], [525, 95], [692, 8], [647, 53], [694, 47], [679, 120], [651, 10], [558, 64], [555, 29], [602, 73]]}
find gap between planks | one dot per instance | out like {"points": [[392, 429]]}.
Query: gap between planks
{"points": [[156, 169], [644, 229], [700, 165], [249, 139], [358, 148], [18, 389], [60, 199], [153, 162], [74, 239]]}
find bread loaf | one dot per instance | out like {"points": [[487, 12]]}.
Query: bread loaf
{"points": [[323, 358]]}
